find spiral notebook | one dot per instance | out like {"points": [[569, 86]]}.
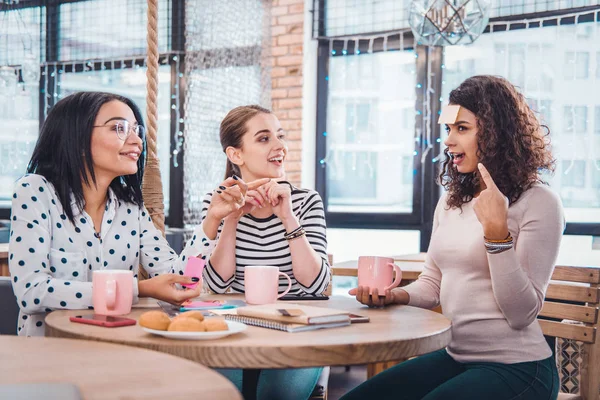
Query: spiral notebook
{"points": [[283, 326]]}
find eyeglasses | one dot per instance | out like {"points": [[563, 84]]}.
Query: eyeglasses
{"points": [[124, 129]]}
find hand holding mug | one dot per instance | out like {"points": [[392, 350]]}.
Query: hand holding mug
{"points": [[491, 208], [371, 297]]}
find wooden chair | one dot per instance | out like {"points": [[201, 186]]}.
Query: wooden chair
{"points": [[329, 289], [576, 285]]}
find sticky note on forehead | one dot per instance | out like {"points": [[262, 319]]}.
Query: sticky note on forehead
{"points": [[449, 114]]}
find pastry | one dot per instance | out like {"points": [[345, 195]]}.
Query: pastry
{"points": [[215, 324], [155, 320], [190, 314], [187, 325]]}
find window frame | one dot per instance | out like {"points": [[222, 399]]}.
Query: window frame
{"points": [[177, 48], [426, 192]]}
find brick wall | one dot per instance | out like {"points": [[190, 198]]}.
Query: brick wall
{"points": [[287, 30]]}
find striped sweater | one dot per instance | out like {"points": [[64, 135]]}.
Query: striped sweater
{"points": [[260, 241]]}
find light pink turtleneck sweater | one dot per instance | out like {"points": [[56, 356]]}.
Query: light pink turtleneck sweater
{"points": [[492, 299]]}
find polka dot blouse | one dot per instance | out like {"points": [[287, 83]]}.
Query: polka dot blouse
{"points": [[51, 260]]}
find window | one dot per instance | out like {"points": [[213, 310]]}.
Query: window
{"points": [[515, 7], [577, 64], [90, 59], [20, 58], [595, 167], [567, 106], [370, 133], [575, 119], [132, 84], [597, 122], [573, 173], [347, 17], [88, 29]]}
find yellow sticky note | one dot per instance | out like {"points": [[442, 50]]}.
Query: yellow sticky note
{"points": [[449, 114]]}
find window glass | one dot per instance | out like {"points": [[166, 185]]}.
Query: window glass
{"points": [[132, 84], [563, 93], [22, 37], [371, 132]]}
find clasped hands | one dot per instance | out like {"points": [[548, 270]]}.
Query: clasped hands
{"points": [[234, 198]]}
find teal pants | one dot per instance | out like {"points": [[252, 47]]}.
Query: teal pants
{"points": [[278, 384], [436, 376]]}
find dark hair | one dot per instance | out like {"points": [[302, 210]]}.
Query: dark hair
{"points": [[63, 153], [232, 130], [511, 142]]}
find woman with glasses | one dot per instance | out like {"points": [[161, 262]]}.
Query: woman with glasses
{"points": [[79, 209]]}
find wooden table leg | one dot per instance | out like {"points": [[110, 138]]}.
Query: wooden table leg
{"points": [[4, 271], [375, 368], [250, 383]]}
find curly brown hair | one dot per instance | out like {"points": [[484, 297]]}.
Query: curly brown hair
{"points": [[511, 144]]}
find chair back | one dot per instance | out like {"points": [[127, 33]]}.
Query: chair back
{"points": [[9, 309], [579, 285]]}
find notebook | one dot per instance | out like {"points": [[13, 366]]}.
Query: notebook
{"points": [[283, 326], [295, 313]]}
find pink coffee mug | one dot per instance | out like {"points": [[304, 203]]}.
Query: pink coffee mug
{"points": [[262, 284], [112, 292], [378, 272]]}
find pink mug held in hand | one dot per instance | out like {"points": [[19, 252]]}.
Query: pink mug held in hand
{"points": [[378, 272], [261, 284], [112, 292]]}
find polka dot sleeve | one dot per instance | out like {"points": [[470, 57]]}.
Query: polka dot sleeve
{"points": [[157, 257], [43, 279]]}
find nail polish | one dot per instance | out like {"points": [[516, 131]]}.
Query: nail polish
{"points": [[194, 279], [222, 187], [235, 177], [218, 191]]}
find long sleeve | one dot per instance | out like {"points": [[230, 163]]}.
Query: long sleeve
{"points": [[157, 257], [425, 291], [211, 277], [520, 275], [312, 219], [44, 279]]}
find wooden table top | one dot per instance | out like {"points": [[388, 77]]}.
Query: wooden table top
{"points": [[411, 257], [394, 333], [410, 269], [108, 371]]}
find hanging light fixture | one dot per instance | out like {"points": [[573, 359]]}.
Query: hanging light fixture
{"points": [[448, 22]]}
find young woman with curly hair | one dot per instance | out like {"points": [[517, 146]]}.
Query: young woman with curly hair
{"points": [[496, 235]]}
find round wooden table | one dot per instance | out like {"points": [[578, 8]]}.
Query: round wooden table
{"points": [[108, 371], [394, 333]]}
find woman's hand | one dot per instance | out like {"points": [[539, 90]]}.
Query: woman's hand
{"points": [[491, 208], [374, 299], [163, 287], [279, 196], [252, 201], [230, 197]]}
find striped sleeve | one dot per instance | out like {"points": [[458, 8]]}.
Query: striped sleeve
{"points": [[312, 218], [211, 278]]}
